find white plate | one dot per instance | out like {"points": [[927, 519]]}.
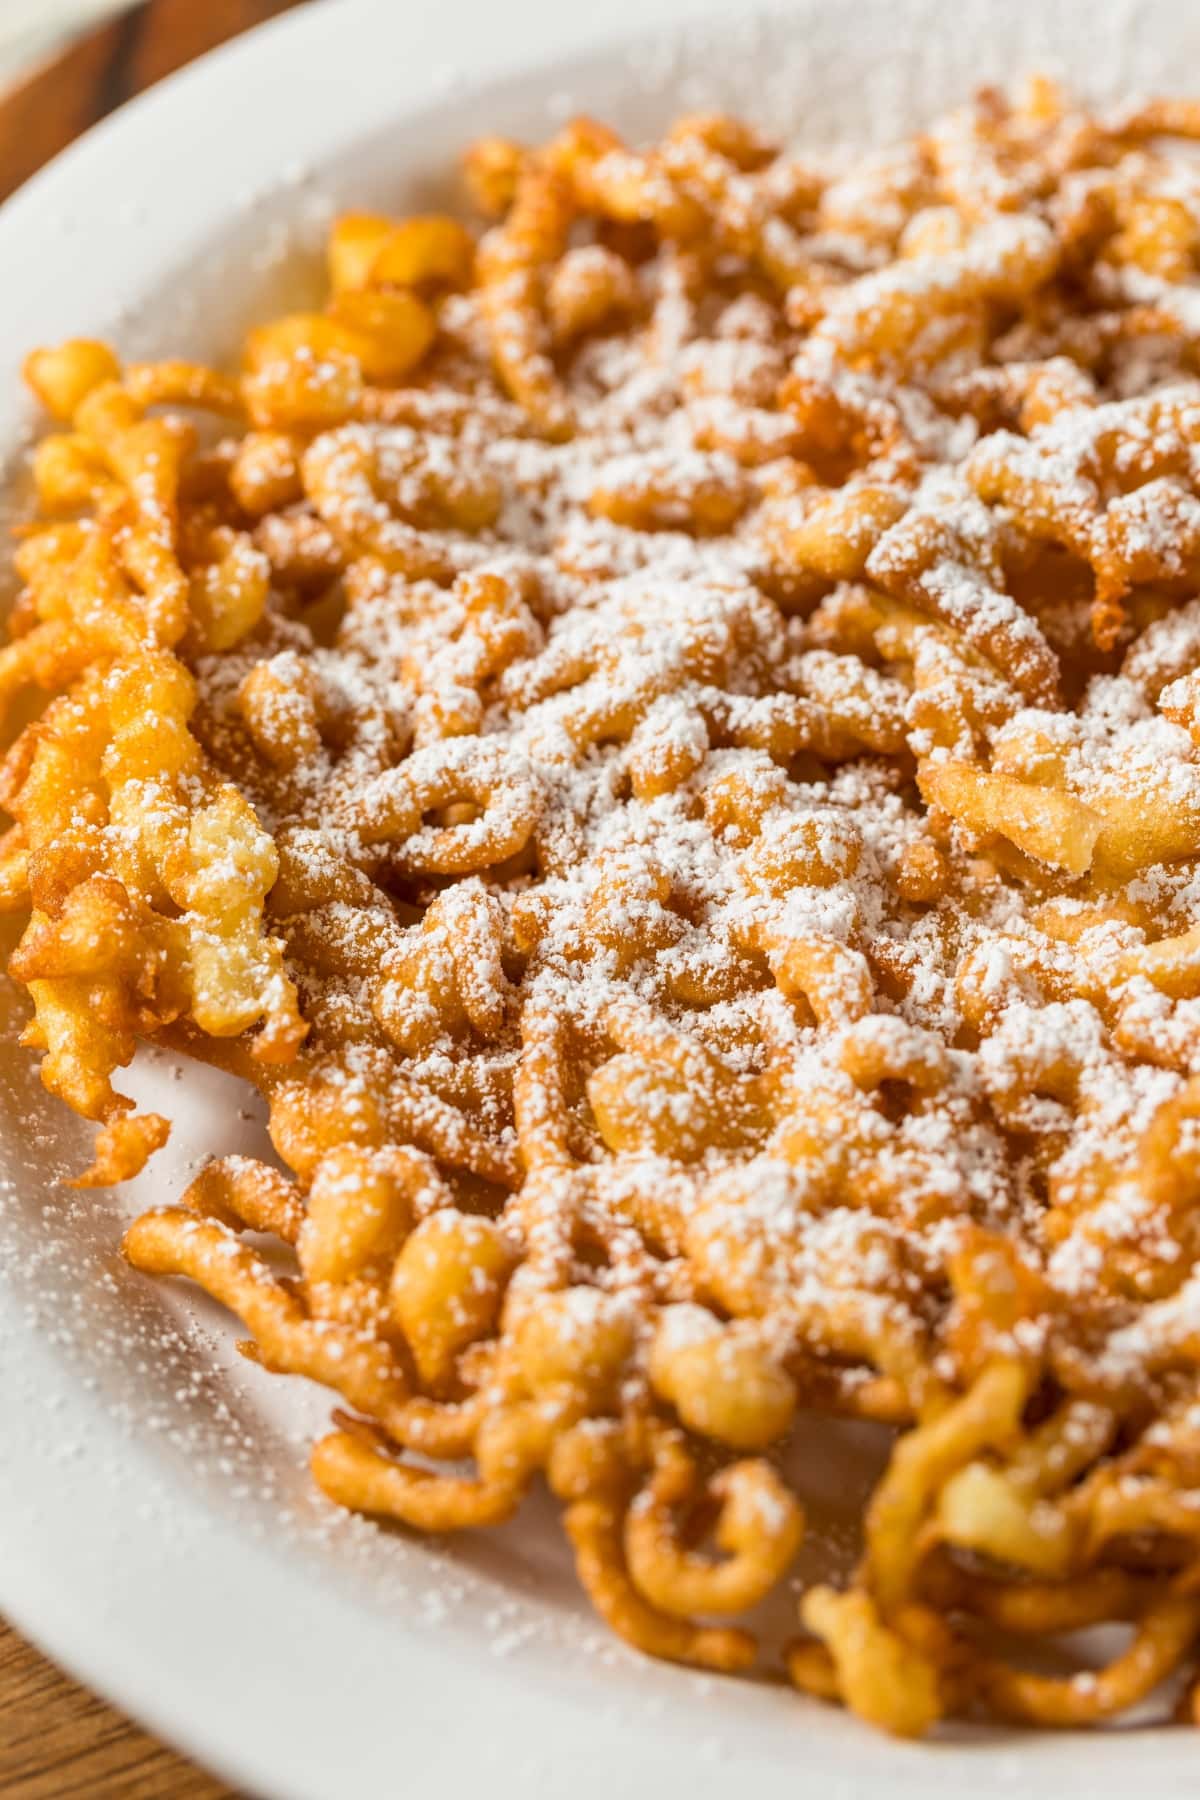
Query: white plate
{"points": [[158, 1534]]}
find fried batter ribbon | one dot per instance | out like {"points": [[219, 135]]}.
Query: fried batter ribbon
{"points": [[665, 741]]}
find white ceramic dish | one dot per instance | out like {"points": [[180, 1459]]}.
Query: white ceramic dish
{"points": [[157, 1532]]}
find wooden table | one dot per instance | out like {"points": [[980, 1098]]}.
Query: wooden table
{"points": [[57, 1741]]}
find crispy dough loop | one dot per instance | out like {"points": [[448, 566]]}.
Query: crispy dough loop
{"points": [[924, 1460], [868, 1665], [173, 1241], [364, 1479], [543, 1129], [758, 1527], [382, 494], [594, 1528], [457, 771], [308, 1119], [514, 262], [238, 1192], [1164, 1633]]}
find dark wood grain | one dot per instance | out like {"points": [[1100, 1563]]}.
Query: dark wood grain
{"points": [[139, 47], [57, 1741]]}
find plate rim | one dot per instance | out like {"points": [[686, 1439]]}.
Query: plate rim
{"points": [[50, 1585]]}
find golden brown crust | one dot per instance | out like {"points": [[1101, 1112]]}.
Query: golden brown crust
{"points": [[664, 741]]}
